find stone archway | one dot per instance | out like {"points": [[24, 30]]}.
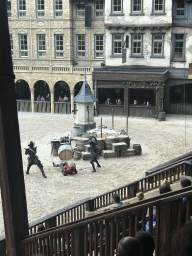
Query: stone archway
{"points": [[41, 88], [22, 90], [61, 89]]}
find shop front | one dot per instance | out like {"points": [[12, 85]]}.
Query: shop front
{"points": [[132, 92]]}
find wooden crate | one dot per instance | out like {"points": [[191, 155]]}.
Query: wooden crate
{"points": [[129, 152], [86, 155], [119, 146], [109, 154]]}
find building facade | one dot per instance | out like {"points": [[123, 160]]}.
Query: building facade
{"points": [[147, 57], [54, 43]]}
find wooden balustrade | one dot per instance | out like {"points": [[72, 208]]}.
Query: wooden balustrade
{"points": [[44, 106], [101, 233]]}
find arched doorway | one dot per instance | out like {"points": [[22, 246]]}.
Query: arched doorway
{"points": [[62, 89], [77, 88], [22, 90], [41, 88]]}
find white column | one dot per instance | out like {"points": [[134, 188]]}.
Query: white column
{"points": [[72, 102], [52, 101], [32, 100]]}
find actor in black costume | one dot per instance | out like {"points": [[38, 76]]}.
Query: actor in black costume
{"points": [[94, 153], [33, 158]]}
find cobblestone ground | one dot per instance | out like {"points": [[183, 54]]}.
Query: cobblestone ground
{"points": [[160, 142]]}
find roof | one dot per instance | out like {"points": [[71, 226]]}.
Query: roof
{"points": [[85, 94]]}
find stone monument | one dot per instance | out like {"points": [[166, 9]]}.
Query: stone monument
{"points": [[85, 108]]}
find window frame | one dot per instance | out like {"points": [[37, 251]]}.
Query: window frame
{"points": [[22, 13], [136, 12], [58, 10], [135, 55], [118, 55], [112, 7], [77, 45], [175, 10], [95, 45], [99, 10], [24, 51], [158, 12], [38, 45], [158, 40], [38, 11], [9, 9], [183, 47], [58, 51], [80, 11]]}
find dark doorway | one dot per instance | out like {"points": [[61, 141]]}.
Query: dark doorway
{"points": [[77, 88], [22, 90]]}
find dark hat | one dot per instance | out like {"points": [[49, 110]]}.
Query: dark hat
{"points": [[31, 144]]}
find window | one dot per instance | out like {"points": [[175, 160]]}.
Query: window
{"points": [[23, 49], [81, 46], [117, 7], [59, 46], [179, 8], [40, 8], [11, 44], [99, 9], [99, 49], [137, 45], [58, 8], [117, 44], [158, 6], [137, 6], [22, 8], [178, 48], [158, 45], [41, 46], [9, 9], [80, 11]]}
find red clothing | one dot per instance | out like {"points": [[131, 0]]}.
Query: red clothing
{"points": [[60, 99]]}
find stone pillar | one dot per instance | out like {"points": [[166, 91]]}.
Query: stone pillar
{"points": [[52, 101], [32, 100], [72, 102]]}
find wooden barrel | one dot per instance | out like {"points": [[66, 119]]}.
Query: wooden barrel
{"points": [[162, 116], [77, 155], [108, 142], [65, 152], [55, 144], [137, 148], [101, 144], [81, 142], [124, 138]]}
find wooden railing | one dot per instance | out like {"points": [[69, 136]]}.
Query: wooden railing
{"points": [[77, 211], [44, 106], [74, 212], [101, 233]]}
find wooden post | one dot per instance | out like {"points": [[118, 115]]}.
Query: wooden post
{"points": [[101, 127], [113, 119], [127, 124], [11, 167]]}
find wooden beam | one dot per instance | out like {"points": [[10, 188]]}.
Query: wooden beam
{"points": [[11, 168]]}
